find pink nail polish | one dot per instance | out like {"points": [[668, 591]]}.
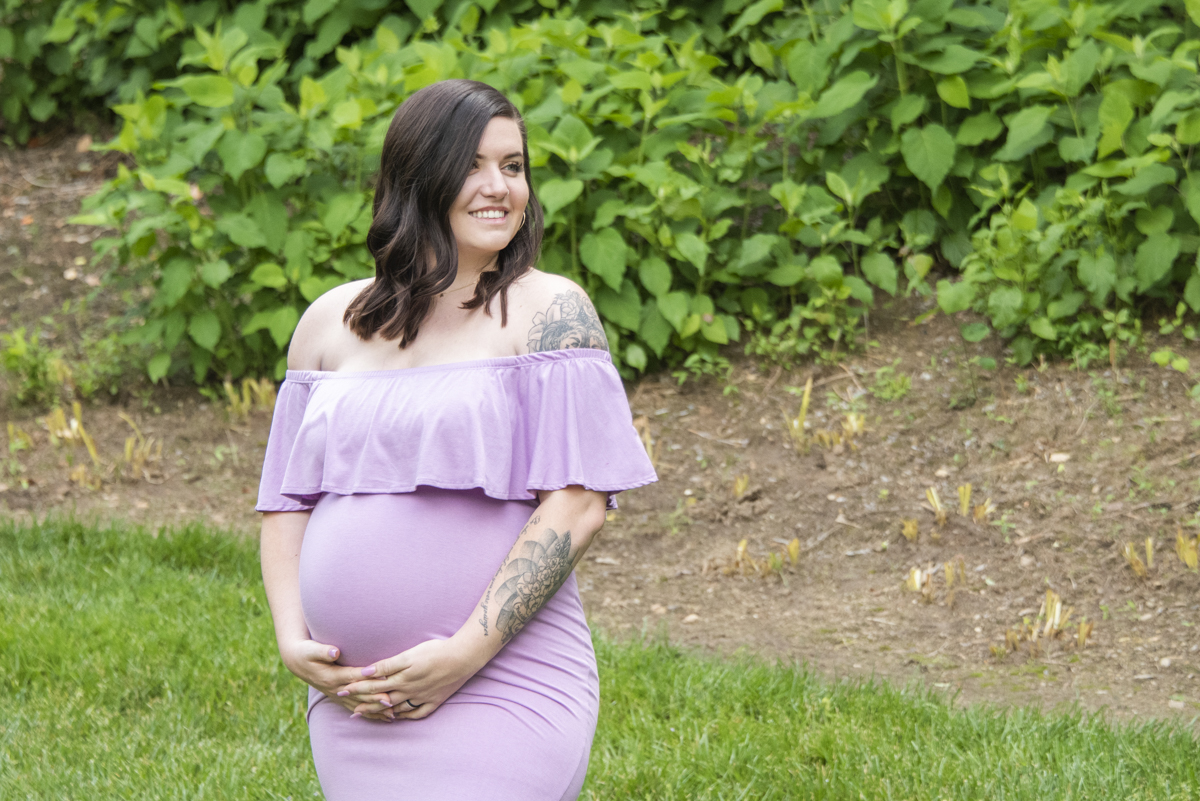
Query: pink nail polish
{"points": [[369, 671], [343, 693], [356, 715], [386, 703], [333, 652]]}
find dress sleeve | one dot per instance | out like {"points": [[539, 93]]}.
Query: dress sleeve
{"points": [[285, 423], [577, 428]]}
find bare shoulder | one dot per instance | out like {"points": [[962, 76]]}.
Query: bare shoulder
{"points": [[321, 325], [554, 313]]}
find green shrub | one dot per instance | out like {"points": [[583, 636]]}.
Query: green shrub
{"points": [[249, 202], [770, 176]]}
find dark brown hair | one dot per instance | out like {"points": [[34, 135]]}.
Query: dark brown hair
{"points": [[427, 153]]}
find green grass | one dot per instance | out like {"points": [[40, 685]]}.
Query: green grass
{"points": [[141, 667]]}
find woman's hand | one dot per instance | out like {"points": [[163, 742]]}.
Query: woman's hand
{"points": [[426, 674], [316, 665]]}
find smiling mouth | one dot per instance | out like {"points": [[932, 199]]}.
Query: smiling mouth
{"points": [[489, 215]]}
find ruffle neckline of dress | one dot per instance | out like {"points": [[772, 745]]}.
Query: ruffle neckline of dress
{"points": [[518, 360]]}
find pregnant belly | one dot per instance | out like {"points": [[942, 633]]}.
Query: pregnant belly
{"points": [[382, 573]]}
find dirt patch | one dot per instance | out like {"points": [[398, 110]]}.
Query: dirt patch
{"points": [[1076, 462]]}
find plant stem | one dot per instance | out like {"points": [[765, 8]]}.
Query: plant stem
{"points": [[901, 71]]}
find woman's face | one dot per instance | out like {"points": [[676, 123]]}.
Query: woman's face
{"points": [[488, 210]]}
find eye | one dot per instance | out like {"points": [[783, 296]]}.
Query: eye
{"points": [[515, 167]]}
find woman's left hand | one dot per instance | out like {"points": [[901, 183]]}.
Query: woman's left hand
{"points": [[426, 674]]}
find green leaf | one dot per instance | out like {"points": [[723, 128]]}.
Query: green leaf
{"points": [[1145, 179], [692, 248], [880, 270], [215, 273], [675, 306], [1191, 197], [314, 287], [954, 60], [786, 274], [655, 275], [213, 91], [878, 15], [175, 282], [1004, 306], [557, 193], [1193, 10], [907, 109], [1028, 129], [158, 366], [623, 308], [241, 151], [280, 169], [423, 8], [715, 330], [845, 93], [929, 153], [1191, 292], [974, 332], [241, 230], [280, 322], [808, 66], [1154, 259], [978, 129], [955, 297], [340, 212], [269, 274], [1065, 306], [1116, 112], [1025, 216], [754, 14], [1187, 130], [756, 248], [205, 329], [954, 91], [314, 10], [1077, 148], [635, 356], [1098, 274], [654, 328], [604, 254], [1042, 327], [1157, 220]]}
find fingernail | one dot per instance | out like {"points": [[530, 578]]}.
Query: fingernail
{"points": [[386, 703], [343, 693], [369, 671], [356, 715], [333, 653], [391, 715]]}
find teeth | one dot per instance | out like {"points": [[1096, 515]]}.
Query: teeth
{"points": [[488, 215]]}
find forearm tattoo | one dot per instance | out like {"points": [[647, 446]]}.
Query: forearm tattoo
{"points": [[570, 322], [525, 582]]}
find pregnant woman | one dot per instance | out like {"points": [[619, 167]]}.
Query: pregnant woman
{"points": [[433, 475]]}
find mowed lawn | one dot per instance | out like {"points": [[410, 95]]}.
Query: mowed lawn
{"points": [[142, 667]]}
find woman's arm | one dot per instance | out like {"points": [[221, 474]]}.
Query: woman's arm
{"points": [[312, 662], [546, 551]]}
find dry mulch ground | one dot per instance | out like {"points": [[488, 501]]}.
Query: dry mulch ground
{"points": [[1076, 462]]}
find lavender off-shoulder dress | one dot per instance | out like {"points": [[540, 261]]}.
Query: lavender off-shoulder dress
{"points": [[419, 481]]}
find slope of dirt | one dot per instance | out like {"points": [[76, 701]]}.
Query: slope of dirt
{"points": [[1077, 464]]}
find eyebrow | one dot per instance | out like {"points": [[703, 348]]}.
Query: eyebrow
{"points": [[504, 158]]}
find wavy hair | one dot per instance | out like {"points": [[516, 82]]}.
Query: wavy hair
{"points": [[427, 155]]}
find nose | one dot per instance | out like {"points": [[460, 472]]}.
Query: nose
{"points": [[494, 185]]}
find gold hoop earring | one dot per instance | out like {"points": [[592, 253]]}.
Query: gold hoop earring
{"points": [[522, 219]]}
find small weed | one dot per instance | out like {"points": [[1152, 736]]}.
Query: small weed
{"points": [[889, 385]]}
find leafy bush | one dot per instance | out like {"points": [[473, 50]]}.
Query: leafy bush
{"points": [[247, 203], [57, 58], [770, 176]]}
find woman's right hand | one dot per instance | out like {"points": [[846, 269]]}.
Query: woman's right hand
{"points": [[316, 665]]}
